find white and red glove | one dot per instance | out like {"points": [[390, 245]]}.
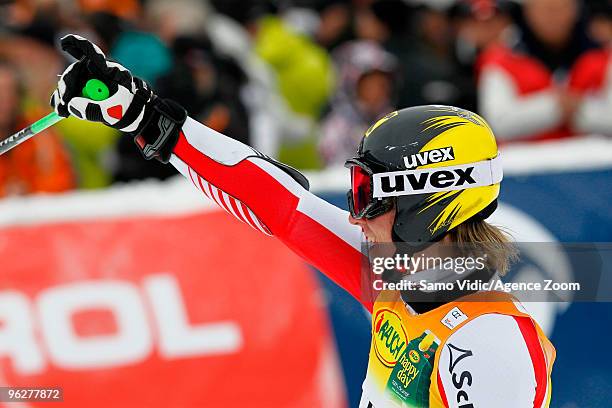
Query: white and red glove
{"points": [[131, 107]]}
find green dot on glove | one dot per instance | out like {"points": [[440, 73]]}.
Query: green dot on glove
{"points": [[95, 90]]}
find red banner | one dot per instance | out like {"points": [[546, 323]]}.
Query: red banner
{"points": [[163, 311]]}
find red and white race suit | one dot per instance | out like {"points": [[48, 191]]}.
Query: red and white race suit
{"points": [[484, 357]]}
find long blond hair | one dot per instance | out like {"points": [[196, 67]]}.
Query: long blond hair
{"points": [[480, 237]]}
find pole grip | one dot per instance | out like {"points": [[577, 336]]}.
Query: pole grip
{"points": [[94, 89]]}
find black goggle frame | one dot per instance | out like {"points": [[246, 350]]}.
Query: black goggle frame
{"points": [[375, 206]]}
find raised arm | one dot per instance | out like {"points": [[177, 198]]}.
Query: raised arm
{"points": [[269, 196]]}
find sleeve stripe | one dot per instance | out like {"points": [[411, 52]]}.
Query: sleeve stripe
{"points": [[228, 203], [260, 225], [210, 194], [312, 231], [240, 206], [194, 183], [191, 176], [222, 200], [235, 209], [244, 179], [202, 187], [247, 215], [538, 359], [228, 200]]}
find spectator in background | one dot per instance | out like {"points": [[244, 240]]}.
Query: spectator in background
{"points": [[146, 48], [143, 53], [421, 38], [522, 85], [335, 17], [303, 69], [478, 24], [206, 84], [36, 20], [365, 93], [599, 21], [591, 79], [32, 29], [124, 9], [431, 74], [327, 22], [40, 164], [387, 23], [107, 27], [290, 77]]}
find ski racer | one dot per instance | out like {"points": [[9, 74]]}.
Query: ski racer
{"points": [[422, 176]]}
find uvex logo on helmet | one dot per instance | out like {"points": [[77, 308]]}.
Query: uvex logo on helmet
{"points": [[407, 182], [430, 156], [426, 181]]}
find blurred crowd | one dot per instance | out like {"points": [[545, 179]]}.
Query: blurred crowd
{"points": [[301, 80]]}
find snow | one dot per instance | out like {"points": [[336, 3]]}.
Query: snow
{"points": [[178, 196]]}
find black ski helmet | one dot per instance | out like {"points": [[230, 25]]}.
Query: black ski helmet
{"points": [[438, 164]]}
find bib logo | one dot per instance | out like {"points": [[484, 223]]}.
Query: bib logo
{"points": [[389, 337], [461, 377], [431, 156], [414, 356]]}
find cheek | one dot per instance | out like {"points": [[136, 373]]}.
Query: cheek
{"points": [[382, 227], [388, 236]]}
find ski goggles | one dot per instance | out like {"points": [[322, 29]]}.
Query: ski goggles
{"points": [[361, 201], [371, 193]]}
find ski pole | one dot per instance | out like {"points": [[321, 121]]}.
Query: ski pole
{"points": [[94, 89]]}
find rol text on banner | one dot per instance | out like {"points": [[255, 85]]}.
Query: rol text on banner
{"points": [[192, 310]]}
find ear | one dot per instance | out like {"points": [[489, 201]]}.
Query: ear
{"points": [[447, 239]]}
